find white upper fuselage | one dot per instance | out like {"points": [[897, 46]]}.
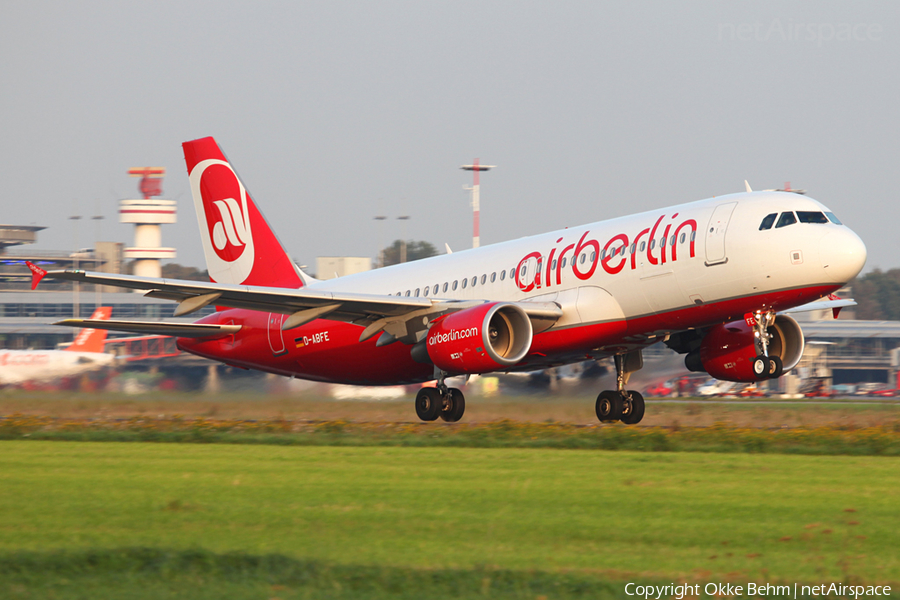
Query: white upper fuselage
{"points": [[20, 366], [731, 258]]}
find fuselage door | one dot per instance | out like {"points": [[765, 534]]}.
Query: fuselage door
{"points": [[276, 335], [715, 234]]}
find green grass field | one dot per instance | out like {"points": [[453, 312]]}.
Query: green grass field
{"points": [[407, 514]]}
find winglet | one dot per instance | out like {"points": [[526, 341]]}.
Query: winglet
{"points": [[747, 185], [37, 274], [837, 309]]}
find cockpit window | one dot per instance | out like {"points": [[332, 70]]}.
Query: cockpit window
{"points": [[786, 218], [833, 218], [811, 217], [767, 222]]}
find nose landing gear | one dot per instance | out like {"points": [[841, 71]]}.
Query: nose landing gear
{"points": [[764, 366], [622, 405]]}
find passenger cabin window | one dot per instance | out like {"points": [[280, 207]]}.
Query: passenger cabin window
{"points": [[445, 287], [465, 283], [483, 279], [786, 218], [512, 273], [833, 218], [502, 275], [493, 277], [811, 217], [767, 222], [454, 284], [435, 291]]}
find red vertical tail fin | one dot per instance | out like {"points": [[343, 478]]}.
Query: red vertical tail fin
{"points": [[91, 340], [240, 246]]}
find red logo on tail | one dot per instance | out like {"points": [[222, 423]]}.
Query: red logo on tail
{"points": [[224, 204]]}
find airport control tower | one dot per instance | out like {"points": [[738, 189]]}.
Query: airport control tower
{"points": [[148, 214]]}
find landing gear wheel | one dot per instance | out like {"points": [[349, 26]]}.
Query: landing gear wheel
{"points": [[776, 368], [428, 404], [609, 406], [454, 406], [635, 412], [761, 367]]}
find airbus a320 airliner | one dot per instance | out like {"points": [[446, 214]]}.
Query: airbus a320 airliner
{"points": [[711, 279]]}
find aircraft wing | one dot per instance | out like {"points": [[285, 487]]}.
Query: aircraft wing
{"points": [[194, 295], [832, 302], [397, 315]]}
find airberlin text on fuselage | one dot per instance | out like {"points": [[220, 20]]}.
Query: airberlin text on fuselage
{"points": [[452, 335], [613, 257]]}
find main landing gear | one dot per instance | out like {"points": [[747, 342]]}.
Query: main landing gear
{"points": [[447, 403], [764, 366], [621, 405]]}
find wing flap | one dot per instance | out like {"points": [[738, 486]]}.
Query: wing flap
{"points": [[192, 330]]}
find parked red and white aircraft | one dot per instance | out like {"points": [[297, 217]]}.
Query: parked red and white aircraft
{"points": [[83, 355], [710, 279]]}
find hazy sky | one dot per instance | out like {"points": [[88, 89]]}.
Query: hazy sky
{"points": [[334, 112]]}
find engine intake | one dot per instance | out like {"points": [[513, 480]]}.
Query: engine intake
{"points": [[727, 351], [480, 339]]}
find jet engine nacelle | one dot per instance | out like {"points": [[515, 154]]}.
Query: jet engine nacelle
{"points": [[480, 339], [727, 351]]}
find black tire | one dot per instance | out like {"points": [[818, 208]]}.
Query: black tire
{"points": [[776, 367], [428, 404], [455, 407], [636, 412], [608, 406], [760, 366]]}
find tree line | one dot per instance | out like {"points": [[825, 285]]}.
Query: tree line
{"points": [[877, 294]]}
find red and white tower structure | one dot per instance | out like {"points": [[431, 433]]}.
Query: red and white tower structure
{"points": [[476, 200], [148, 214]]}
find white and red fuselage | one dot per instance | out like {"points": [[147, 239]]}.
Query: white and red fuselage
{"points": [[622, 284]]}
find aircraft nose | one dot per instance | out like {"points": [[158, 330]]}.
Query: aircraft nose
{"points": [[843, 255]]}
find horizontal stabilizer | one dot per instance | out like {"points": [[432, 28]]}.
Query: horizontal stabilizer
{"points": [[191, 330]]}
